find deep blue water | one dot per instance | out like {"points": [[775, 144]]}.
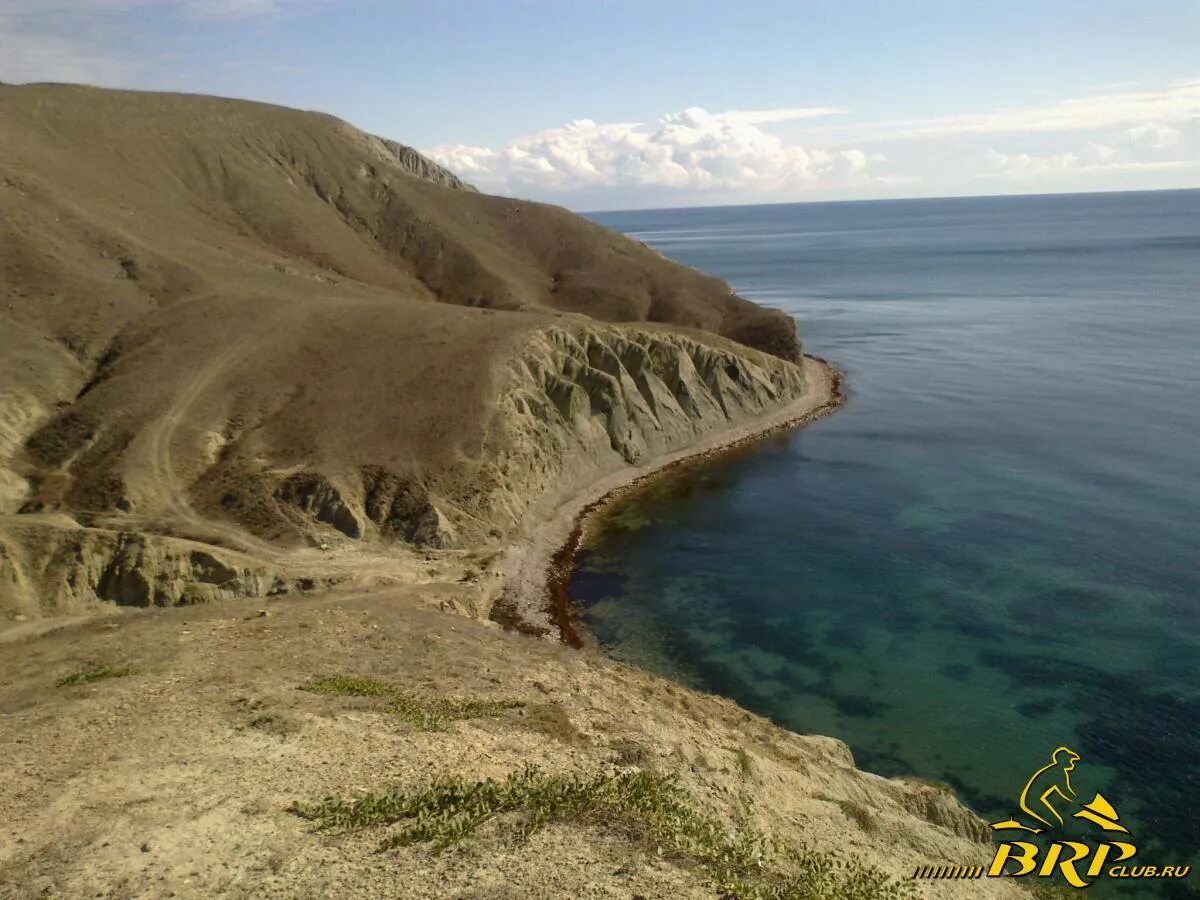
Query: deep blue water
{"points": [[992, 549]]}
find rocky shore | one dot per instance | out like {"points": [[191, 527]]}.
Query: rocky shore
{"points": [[537, 569]]}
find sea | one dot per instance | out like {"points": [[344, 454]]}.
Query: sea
{"points": [[993, 549]]}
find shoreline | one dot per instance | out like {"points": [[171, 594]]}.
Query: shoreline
{"points": [[536, 599]]}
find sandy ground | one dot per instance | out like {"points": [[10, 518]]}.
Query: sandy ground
{"points": [[175, 781]]}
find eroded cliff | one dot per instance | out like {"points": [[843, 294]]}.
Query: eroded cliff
{"points": [[563, 407], [580, 403]]}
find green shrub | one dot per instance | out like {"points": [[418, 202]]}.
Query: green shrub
{"points": [[424, 715], [94, 673], [648, 808]]}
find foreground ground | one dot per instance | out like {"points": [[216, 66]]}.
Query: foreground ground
{"points": [[172, 773]]}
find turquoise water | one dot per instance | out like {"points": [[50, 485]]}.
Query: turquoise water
{"points": [[992, 549]]}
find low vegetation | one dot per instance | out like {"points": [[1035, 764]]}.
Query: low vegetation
{"points": [[94, 673], [423, 714], [649, 808]]}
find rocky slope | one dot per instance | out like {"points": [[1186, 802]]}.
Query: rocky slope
{"points": [[410, 160], [579, 404], [570, 404]]}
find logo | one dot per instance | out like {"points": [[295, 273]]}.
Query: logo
{"points": [[1049, 806]]}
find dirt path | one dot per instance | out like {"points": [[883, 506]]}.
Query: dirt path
{"points": [[160, 436]]}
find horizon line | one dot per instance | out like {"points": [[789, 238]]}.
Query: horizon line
{"points": [[1014, 196]]}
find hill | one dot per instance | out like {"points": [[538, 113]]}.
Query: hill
{"points": [[250, 352], [257, 328]]}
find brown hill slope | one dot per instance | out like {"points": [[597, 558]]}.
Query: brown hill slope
{"points": [[256, 328]]}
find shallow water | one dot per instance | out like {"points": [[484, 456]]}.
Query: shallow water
{"points": [[991, 550]]}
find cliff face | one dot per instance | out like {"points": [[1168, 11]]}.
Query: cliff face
{"points": [[571, 404], [55, 568], [413, 162], [577, 404], [564, 406]]}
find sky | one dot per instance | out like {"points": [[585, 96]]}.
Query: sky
{"points": [[609, 104]]}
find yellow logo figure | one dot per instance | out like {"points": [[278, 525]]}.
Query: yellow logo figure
{"points": [[1053, 781], [1047, 797]]}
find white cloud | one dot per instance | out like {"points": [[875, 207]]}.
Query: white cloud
{"points": [[693, 154], [1165, 165], [49, 13], [1025, 164], [244, 9], [1148, 146], [1178, 102], [1154, 136], [688, 150], [787, 114], [1028, 167], [32, 56], [48, 41], [79, 40]]}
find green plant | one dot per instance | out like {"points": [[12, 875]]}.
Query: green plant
{"points": [[425, 715], [744, 762], [349, 686], [94, 673], [649, 808]]}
